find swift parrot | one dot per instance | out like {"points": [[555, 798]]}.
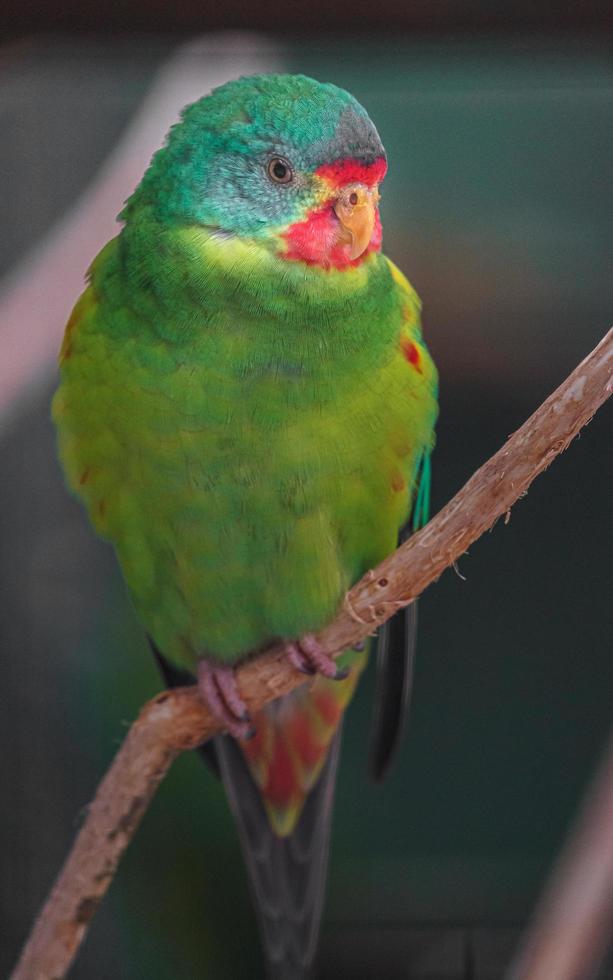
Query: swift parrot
{"points": [[247, 411]]}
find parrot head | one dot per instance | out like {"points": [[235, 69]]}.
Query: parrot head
{"points": [[291, 164]]}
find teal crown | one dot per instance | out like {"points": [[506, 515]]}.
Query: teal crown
{"points": [[212, 169]]}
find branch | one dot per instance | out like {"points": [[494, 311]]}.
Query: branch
{"points": [[573, 922], [176, 721]]}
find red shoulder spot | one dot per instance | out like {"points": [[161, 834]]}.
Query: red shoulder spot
{"points": [[411, 353], [398, 482]]}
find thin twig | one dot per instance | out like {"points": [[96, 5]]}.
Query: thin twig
{"points": [[178, 720]]}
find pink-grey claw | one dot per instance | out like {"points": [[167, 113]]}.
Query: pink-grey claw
{"points": [[217, 685], [308, 656], [298, 660]]}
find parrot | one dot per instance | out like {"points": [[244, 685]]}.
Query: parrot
{"points": [[246, 409]]}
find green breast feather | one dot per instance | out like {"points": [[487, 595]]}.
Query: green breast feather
{"points": [[250, 466]]}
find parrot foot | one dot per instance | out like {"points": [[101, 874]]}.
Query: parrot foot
{"points": [[308, 656], [218, 688]]}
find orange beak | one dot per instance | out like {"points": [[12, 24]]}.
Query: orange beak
{"points": [[356, 209]]}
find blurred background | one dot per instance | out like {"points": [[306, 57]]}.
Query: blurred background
{"points": [[498, 205]]}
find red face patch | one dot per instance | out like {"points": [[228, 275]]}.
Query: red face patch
{"points": [[315, 240]]}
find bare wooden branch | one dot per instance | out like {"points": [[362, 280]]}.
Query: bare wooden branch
{"points": [[176, 721], [574, 920]]}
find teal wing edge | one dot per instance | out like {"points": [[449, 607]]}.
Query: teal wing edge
{"points": [[396, 643]]}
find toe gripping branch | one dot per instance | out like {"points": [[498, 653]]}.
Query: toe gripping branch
{"points": [[308, 656], [219, 689]]}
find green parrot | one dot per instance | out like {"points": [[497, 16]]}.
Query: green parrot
{"points": [[247, 411]]}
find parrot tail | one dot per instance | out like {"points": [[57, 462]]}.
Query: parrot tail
{"points": [[287, 874]]}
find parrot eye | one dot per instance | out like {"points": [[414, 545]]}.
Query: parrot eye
{"points": [[280, 171]]}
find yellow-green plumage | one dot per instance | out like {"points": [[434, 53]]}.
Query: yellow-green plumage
{"points": [[247, 479]]}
